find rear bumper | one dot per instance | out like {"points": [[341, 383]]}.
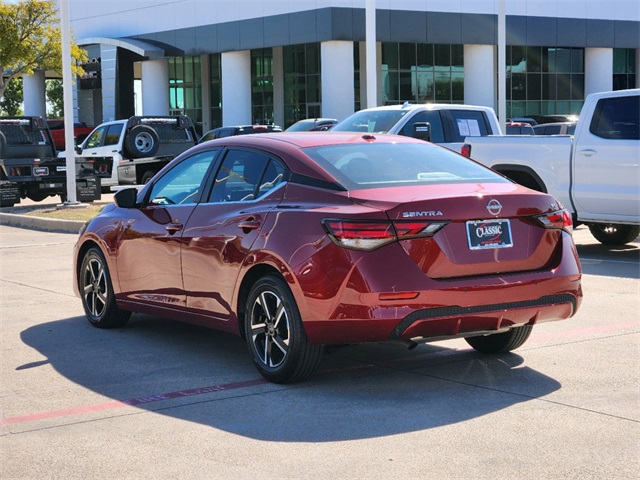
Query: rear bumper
{"points": [[441, 308]]}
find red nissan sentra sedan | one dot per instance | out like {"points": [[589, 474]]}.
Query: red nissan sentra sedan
{"points": [[300, 240]]}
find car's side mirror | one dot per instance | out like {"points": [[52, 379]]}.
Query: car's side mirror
{"points": [[422, 131], [126, 198], [78, 149]]}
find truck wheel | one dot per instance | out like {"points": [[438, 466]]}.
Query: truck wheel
{"points": [[275, 335], [612, 234], [147, 176], [501, 342], [37, 196], [141, 141]]}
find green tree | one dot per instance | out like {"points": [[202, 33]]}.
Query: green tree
{"points": [[55, 98], [30, 39], [11, 102]]}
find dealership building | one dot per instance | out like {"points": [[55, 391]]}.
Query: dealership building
{"points": [[253, 61]]}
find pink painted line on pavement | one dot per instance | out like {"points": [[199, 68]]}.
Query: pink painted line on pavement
{"points": [[131, 402]]}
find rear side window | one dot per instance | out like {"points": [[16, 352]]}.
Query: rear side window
{"points": [[113, 134], [246, 175], [468, 123], [617, 118], [360, 166]]}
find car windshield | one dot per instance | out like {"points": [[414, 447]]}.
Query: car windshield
{"points": [[371, 165], [375, 121]]}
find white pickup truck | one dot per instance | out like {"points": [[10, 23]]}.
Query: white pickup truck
{"points": [[445, 124], [139, 146], [595, 173]]}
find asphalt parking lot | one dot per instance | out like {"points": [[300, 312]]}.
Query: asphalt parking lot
{"points": [[159, 399]]}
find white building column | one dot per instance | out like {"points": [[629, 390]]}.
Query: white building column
{"points": [[337, 79], [34, 91], [205, 81], [155, 87], [278, 87], [236, 88], [638, 68], [480, 80], [598, 70]]}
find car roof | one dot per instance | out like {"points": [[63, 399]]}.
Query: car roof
{"points": [[428, 106], [287, 145]]}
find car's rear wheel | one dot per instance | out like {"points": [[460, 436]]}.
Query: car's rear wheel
{"points": [[98, 299], [501, 342], [612, 234], [275, 335]]}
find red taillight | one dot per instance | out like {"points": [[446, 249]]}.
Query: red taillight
{"points": [[558, 219], [465, 150], [369, 235]]}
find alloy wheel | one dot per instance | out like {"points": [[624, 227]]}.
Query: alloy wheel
{"points": [[270, 329]]}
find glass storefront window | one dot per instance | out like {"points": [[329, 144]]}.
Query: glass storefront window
{"points": [[262, 86], [624, 68], [420, 73], [544, 80], [302, 85]]}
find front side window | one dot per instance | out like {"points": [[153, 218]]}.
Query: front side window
{"points": [[95, 139], [617, 118], [431, 116], [182, 184]]}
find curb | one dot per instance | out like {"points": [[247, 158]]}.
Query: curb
{"points": [[39, 223]]}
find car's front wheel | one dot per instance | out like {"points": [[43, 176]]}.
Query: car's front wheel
{"points": [[275, 335], [501, 342], [98, 299]]}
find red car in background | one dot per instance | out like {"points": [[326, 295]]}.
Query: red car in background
{"points": [[300, 240], [80, 132]]}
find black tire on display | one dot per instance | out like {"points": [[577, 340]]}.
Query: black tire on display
{"points": [[96, 289], [501, 342], [141, 141], [275, 334], [37, 196], [612, 234]]}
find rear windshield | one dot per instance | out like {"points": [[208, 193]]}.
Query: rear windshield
{"points": [[376, 121], [371, 165]]}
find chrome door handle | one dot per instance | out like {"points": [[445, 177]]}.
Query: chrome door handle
{"points": [[173, 228]]}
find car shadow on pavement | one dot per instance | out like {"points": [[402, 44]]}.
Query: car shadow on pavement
{"points": [[596, 259], [361, 391]]}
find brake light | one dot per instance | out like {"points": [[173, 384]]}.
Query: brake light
{"points": [[369, 235], [465, 150], [559, 219]]}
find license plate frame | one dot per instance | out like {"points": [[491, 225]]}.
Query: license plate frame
{"points": [[489, 234]]}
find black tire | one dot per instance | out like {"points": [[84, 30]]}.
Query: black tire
{"points": [[147, 176], [141, 141], [96, 289], [37, 196], [501, 342], [612, 234], [275, 334]]}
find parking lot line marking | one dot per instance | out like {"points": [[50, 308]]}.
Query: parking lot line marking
{"points": [[131, 402]]}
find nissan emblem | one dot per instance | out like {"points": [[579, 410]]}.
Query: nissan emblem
{"points": [[494, 207]]}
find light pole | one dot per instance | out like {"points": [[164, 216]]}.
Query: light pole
{"points": [[502, 65], [371, 61], [67, 81]]}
